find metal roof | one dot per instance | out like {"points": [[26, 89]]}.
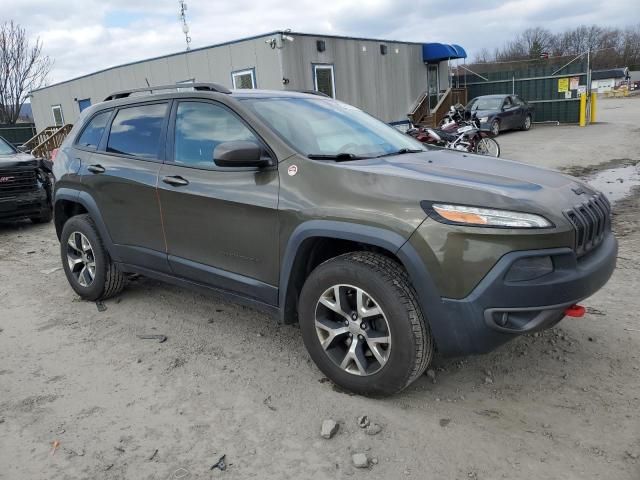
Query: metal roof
{"points": [[232, 42]]}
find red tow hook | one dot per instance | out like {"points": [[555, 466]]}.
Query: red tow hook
{"points": [[575, 311]]}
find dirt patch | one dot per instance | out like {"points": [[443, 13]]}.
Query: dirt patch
{"points": [[583, 171]]}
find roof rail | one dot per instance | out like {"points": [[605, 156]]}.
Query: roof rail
{"points": [[207, 87], [313, 92]]}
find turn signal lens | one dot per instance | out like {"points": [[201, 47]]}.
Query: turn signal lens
{"points": [[461, 217], [479, 216]]}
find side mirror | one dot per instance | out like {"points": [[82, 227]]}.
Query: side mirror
{"points": [[240, 154]]}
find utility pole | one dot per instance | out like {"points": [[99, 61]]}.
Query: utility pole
{"points": [[183, 19]]}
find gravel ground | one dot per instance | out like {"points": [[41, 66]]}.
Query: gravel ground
{"points": [[81, 396]]}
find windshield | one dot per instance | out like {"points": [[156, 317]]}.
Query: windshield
{"points": [[488, 103], [5, 148], [328, 128]]}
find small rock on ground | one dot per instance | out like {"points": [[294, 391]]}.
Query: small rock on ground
{"points": [[373, 429], [360, 460], [363, 421], [329, 428]]}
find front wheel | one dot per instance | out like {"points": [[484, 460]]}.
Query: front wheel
{"points": [[488, 146], [495, 127], [527, 123], [362, 324]]}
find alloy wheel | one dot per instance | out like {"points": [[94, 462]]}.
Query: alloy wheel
{"points": [[353, 330], [81, 259]]}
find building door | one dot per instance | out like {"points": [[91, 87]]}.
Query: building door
{"points": [[433, 84], [324, 80]]}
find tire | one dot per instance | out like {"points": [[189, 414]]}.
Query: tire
{"points": [[488, 146], [527, 123], [384, 284], [107, 279], [495, 127], [44, 218]]}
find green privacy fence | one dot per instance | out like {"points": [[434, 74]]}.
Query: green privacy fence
{"points": [[552, 90], [17, 134]]}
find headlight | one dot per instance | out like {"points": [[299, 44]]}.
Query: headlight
{"points": [[484, 119], [484, 217]]}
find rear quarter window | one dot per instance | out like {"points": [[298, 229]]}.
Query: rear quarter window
{"points": [[92, 133]]}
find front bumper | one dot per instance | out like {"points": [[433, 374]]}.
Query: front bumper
{"points": [[497, 309], [23, 205]]}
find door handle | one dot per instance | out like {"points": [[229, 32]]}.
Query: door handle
{"points": [[176, 181], [96, 168]]}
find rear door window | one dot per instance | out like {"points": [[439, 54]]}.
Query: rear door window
{"points": [[136, 131], [92, 133]]}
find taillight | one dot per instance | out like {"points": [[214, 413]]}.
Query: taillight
{"points": [[54, 152]]}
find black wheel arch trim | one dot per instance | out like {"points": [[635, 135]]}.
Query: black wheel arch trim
{"points": [[430, 301], [89, 204]]}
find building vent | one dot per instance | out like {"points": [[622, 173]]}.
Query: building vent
{"points": [[383, 49], [321, 46]]}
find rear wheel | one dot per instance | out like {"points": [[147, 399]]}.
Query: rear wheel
{"points": [[488, 146], [495, 127], [362, 325], [87, 265]]}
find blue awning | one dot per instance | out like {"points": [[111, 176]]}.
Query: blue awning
{"points": [[437, 52]]}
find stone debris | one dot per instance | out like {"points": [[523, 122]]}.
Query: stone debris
{"points": [[363, 421], [360, 460], [329, 428], [373, 429]]}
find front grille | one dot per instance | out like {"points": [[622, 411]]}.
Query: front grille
{"points": [[16, 181], [591, 221]]}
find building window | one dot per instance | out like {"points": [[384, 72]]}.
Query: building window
{"points": [[244, 79], [58, 119], [84, 103], [136, 131], [324, 80]]}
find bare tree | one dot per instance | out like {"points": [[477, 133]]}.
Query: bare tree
{"points": [[610, 47], [23, 67], [536, 41]]}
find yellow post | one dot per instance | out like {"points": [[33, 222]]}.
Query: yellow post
{"points": [[583, 109], [594, 102]]}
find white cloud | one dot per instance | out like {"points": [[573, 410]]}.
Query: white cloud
{"points": [[83, 36]]}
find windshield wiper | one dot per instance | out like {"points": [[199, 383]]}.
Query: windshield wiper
{"points": [[341, 157], [401, 151]]}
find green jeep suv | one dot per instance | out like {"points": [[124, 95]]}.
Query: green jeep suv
{"points": [[384, 251]]}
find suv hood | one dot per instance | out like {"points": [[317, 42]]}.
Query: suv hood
{"points": [[18, 160], [456, 177]]}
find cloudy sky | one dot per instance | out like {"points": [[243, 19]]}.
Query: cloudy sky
{"points": [[87, 35]]}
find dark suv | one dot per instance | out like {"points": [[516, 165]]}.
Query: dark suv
{"points": [[25, 186], [383, 250]]}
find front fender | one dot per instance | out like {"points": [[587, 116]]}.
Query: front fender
{"points": [[430, 301]]}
